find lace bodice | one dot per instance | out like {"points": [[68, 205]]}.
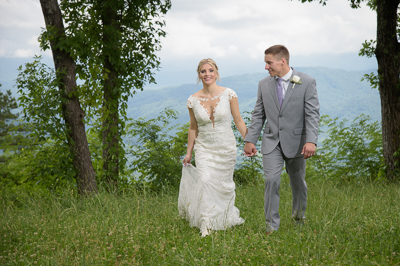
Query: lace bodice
{"points": [[220, 118]]}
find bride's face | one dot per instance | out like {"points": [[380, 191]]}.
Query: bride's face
{"points": [[207, 74]]}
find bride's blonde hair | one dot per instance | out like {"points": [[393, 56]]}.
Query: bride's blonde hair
{"points": [[211, 63]]}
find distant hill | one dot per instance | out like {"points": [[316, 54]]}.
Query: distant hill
{"points": [[341, 94]]}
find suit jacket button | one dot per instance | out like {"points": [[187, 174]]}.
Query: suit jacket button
{"points": [[280, 128]]}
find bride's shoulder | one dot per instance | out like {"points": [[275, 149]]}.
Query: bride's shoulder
{"points": [[192, 99], [231, 93]]}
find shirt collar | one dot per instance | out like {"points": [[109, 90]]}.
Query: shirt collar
{"points": [[287, 76]]}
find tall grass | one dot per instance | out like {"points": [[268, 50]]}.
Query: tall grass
{"points": [[356, 224]]}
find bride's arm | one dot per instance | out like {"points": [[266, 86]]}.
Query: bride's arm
{"points": [[192, 134], [237, 118]]}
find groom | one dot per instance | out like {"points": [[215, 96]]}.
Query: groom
{"points": [[288, 101]]}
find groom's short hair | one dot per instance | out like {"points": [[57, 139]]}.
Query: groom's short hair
{"points": [[278, 51]]}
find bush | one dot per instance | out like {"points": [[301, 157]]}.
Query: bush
{"points": [[349, 152], [47, 165], [155, 155]]}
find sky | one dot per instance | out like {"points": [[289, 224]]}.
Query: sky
{"points": [[234, 33]]}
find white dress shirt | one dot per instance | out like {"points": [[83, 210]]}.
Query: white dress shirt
{"points": [[285, 81]]}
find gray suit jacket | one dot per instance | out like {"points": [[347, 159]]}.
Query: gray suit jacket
{"points": [[292, 125]]}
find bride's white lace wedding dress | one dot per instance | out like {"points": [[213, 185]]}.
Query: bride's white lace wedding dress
{"points": [[207, 191]]}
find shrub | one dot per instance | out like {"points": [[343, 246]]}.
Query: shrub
{"points": [[349, 152], [155, 154]]}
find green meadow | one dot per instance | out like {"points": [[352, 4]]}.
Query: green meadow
{"points": [[353, 224]]}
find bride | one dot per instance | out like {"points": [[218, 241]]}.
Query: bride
{"points": [[207, 191]]}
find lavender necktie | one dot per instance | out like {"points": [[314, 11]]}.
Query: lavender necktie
{"points": [[279, 91]]}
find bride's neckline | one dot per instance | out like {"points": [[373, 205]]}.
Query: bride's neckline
{"points": [[212, 98]]}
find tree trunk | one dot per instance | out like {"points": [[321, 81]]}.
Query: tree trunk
{"points": [[111, 132], [388, 55], [71, 109]]}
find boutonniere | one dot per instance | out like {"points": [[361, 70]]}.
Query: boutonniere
{"points": [[295, 80]]}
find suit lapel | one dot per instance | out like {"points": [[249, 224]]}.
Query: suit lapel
{"points": [[289, 91], [272, 88]]}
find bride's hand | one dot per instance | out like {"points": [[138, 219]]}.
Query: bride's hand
{"points": [[187, 159]]}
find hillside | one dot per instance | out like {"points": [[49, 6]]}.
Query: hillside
{"points": [[341, 94]]}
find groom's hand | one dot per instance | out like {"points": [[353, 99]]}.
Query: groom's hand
{"points": [[250, 149], [308, 150]]}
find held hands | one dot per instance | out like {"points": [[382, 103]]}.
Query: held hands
{"points": [[250, 149], [187, 159], [308, 150]]}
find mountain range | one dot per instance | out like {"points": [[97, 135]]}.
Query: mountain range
{"points": [[341, 94]]}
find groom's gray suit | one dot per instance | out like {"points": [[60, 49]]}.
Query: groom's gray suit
{"points": [[287, 130]]}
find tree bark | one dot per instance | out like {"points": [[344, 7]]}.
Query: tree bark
{"points": [[111, 132], [71, 109], [388, 55]]}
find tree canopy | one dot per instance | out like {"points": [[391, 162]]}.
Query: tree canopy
{"points": [[112, 44]]}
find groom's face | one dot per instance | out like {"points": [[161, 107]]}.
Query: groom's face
{"points": [[274, 66]]}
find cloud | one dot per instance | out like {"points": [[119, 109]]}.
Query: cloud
{"points": [[21, 14], [233, 32], [20, 26], [232, 11], [24, 53], [24, 40], [253, 26]]}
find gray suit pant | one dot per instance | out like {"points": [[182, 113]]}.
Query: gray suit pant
{"points": [[296, 169]]}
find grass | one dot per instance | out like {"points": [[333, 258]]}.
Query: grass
{"points": [[356, 224]]}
